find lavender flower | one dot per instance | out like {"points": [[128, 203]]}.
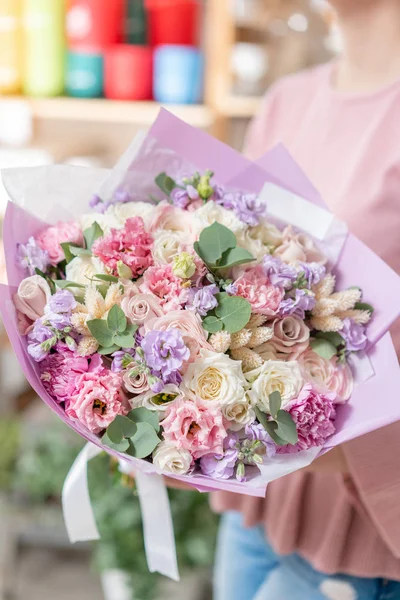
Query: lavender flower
{"points": [[156, 384], [40, 340], [202, 300], [250, 209], [96, 202], [222, 466], [175, 378], [279, 273], [122, 359], [312, 273], [354, 335], [122, 197], [58, 321], [302, 302], [182, 197], [61, 302], [164, 351], [256, 432], [30, 257], [231, 289]]}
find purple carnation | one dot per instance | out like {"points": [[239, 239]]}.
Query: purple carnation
{"points": [[30, 256], [313, 273], [249, 208], [203, 299], [279, 273], [302, 302], [354, 336], [222, 466], [164, 351]]}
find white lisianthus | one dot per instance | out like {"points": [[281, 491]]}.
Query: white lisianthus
{"points": [[158, 402], [267, 234], [120, 212], [252, 245], [273, 375], [106, 222], [170, 459], [210, 212], [82, 268], [167, 245], [215, 377], [239, 413]]}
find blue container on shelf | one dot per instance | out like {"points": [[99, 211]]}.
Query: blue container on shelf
{"points": [[84, 75], [178, 74]]}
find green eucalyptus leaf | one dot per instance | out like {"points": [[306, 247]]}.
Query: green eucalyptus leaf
{"points": [[165, 183], [102, 288], [131, 328], [270, 427], [286, 429], [214, 241], [332, 336], [116, 319], [67, 252], [212, 324], [108, 278], [64, 284], [122, 446], [78, 251], [234, 256], [323, 348], [99, 330], [144, 415], [234, 312], [120, 428], [275, 402], [124, 340], [48, 279], [144, 441], [92, 234], [109, 350], [364, 306]]}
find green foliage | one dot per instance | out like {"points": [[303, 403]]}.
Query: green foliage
{"points": [[113, 334], [63, 284], [92, 234], [165, 183], [323, 348], [49, 280], [10, 440], [364, 306], [107, 278], [217, 248], [280, 426], [212, 324], [233, 257], [135, 434], [233, 312]]}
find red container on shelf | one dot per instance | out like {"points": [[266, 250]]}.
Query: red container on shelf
{"points": [[128, 72], [173, 21], [92, 25]]}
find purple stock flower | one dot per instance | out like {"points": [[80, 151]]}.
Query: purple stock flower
{"points": [[95, 202], [122, 197], [222, 466], [279, 273], [256, 432], [156, 384], [298, 305], [58, 321], [231, 289], [313, 272], [202, 300], [119, 360], [250, 208], [40, 332], [37, 339], [30, 257], [175, 378], [219, 193], [354, 335], [61, 302], [182, 197], [165, 351], [37, 352]]}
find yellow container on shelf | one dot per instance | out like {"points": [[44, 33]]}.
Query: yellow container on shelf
{"points": [[10, 46], [44, 47]]}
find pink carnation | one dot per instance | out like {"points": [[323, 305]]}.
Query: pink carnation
{"points": [[59, 372], [160, 281], [131, 245], [51, 238], [255, 287], [313, 414], [98, 400], [194, 427]]}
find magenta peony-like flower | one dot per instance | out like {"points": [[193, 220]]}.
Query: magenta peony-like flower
{"points": [[51, 238], [194, 427], [59, 372], [313, 414], [131, 245], [256, 288], [160, 281]]}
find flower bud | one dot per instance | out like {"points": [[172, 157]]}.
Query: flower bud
{"points": [[204, 188], [123, 270], [71, 343], [183, 265]]}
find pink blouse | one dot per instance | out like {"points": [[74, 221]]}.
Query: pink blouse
{"points": [[349, 147]]}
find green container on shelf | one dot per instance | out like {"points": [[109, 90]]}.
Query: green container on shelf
{"points": [[84, 75], [135, 22], [44, 47]]}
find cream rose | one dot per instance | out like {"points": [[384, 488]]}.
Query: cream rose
{"points": [[298, 247], [106, 222], [327, 375], [239, 413], [290, 339], [215, 377], [140, 307], [166, 245], [170, 459], [170, 218], [32, 296], [267, 234], [158, 402], [210, 212], [82, 268], [284, 377], [120, 212]]}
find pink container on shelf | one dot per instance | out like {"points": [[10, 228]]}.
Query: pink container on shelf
{"points": [[173, 21], [92, 25], [128, 72]]}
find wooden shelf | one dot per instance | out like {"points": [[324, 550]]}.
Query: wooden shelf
{"points": [[239, 106], [111, 111]]}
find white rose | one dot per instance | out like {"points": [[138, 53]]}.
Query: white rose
{"points": [[106, 222], [167, 245], [170, 459], [267, 234], [157, 402], [239, 413], [121, 212], [215, 377], [83, 268], [252, 245], [284, 377], [210, 212]]}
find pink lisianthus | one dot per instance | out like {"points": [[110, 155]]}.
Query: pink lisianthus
{"points": [[131, 245], [51, 238], [194, 427], [59, 372], [160, 281], [98, 399], [313, 414], [255, 287]]}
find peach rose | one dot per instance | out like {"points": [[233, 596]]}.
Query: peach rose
{"points": [[290, 339], [169, 217], [298, 247], [327, 375], [32, 296], [140, 307]]}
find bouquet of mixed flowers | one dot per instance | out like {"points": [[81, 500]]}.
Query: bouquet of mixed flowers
{"points": [[199, 321]]}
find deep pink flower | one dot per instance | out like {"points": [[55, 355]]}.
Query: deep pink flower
{"points": [[131, 245], [194, 427], [256, 288], [51, 238], [313, 414], [160, 281], [98, 399]]}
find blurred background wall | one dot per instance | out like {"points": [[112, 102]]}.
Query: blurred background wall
{"points": [[78, 78]]}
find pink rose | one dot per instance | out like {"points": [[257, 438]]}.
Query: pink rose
{"points": [[190, 326], [32, 296], [51, 238], [135, 382], [194, 427], [290, 339], [255, 287], [140, 307], [169, 217], [327, 375], [98, 400], [298, 247], [160, 281]]}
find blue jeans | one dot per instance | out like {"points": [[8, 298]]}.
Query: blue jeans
{"points": [[248, 569]]}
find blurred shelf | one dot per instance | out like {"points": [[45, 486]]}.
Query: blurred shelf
{"points": [[239, 106], [111, 111]]}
